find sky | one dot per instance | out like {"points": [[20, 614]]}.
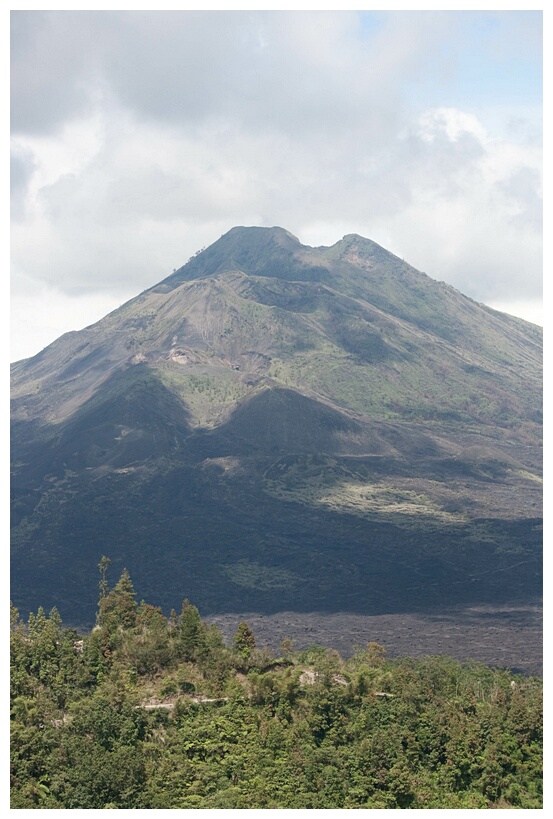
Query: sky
{"points": [[139, 137]]}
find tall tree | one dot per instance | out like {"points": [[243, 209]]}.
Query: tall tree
{"points": [[118, 607], [244, 640], [190, 630], [103, 565]]}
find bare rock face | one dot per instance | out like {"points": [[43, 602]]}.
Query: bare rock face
{"points": [[278, 427]]}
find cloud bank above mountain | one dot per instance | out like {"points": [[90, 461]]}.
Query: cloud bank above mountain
{"points": [[139, 137]]}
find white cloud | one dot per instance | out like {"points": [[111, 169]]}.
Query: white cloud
{"points": [[528, 309], [163, 130], [453, 123], [42, 315]]}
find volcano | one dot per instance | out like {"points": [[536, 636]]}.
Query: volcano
{"points": [[276, 427]]}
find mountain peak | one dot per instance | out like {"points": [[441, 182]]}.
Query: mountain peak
{"points": [[257, 251], [246, 232]]}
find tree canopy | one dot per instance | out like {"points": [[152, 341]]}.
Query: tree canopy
{"points": [[150, 712]]}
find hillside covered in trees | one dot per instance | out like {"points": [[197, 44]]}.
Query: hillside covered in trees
{"points": [[153, 712]]}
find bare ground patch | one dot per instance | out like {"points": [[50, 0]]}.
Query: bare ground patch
{"points": [[502, 636]]}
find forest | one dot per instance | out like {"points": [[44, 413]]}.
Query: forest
{"points": [[148, 711]]}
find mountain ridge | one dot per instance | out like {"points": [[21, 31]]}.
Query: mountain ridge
{"points": [[309, 299]]}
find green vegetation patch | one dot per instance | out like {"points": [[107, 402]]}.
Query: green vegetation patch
{"points": [[319, 481], [208, 397], [252, 575], [150, 712]]}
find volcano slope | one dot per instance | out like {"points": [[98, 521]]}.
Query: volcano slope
{"points": [[276, 427]]}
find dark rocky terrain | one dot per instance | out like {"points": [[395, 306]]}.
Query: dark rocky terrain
{"points": [[503, 637], [278, 428]]}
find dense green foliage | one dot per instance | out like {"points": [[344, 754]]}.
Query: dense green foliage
{"points": [[150, 712]]}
